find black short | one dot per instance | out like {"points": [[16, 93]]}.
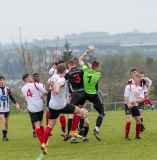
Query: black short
{"points": [[97, 102], [134, 111], [78, 98], [36, 116], [6, 114], [68, 109], [48, 98], [141, 105]]}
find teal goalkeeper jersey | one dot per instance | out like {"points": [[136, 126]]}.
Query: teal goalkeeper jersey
{"points": [[90, 79]]}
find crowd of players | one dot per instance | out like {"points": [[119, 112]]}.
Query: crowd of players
{"points": [[69, 90]]}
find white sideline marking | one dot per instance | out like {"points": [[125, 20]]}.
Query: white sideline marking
{"points": [[40, 156]]}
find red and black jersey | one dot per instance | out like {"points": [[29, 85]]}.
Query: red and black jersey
{"points": [[75, 79]]}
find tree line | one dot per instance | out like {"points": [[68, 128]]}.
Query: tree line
{"points": [[115, 68]]}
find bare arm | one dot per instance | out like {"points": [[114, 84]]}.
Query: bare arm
{"points": [[58, 86], [126, 102], [81, 58], [90, 49], [126, 99], [137, 100], [148, 89], [68, 97]]}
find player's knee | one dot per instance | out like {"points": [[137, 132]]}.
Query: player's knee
{"points": [[86, 123], [129, 120], [102, 114], [4, 122]]}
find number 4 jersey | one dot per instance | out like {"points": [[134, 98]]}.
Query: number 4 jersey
{"points": [[32, 93], [90, 80]]}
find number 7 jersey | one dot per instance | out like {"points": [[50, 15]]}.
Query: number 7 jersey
{"points": [[90, 80]]}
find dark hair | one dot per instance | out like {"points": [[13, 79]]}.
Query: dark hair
{"points": [[1, 77], [133, 70], [141, 72], [25, 76], [61, 68], [60, 62], [35, 74]]}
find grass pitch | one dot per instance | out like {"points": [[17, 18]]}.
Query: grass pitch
{"points": [[22, 146]]}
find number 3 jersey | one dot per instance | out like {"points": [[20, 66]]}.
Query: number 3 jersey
{"points": [[5, 94], [32, 93], [75, 79], [90, 80], [57, 101]]}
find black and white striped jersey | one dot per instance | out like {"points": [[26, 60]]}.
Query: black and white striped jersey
{"points": [[5, 94]]}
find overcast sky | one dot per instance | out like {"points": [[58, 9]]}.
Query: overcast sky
{"points": [[59, 17]]}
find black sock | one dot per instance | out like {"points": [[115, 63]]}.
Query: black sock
{"points": [[85, 131], [141, 120], [4, 133], [142, 126], [81, 123], [69, 125], [99, 121]]}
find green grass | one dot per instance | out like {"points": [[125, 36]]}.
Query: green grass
{"points": [[22, 146]]}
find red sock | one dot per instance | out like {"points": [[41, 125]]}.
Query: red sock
{"points": [[46, 134], [127, 129], [47, 117], [42, 130], [39, 134], [138, 128], [33, 126], [63, 123], [75, 122]]}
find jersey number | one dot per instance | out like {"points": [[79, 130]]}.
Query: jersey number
{"points": [[90, 77], [29, 93], [52, 86], [78, 79]]}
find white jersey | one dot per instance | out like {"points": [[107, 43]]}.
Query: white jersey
{"points": [[52, 71], [43, 86], [133, 92], [131, 81], [32, 93], [149, 82], [57, 101]]}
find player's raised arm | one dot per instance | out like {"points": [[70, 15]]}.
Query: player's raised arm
{"points": [[90, 49], [52, 69], [81, 58]]}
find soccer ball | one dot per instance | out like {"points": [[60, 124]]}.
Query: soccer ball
{"points": [[90, 48], [85, 111]]}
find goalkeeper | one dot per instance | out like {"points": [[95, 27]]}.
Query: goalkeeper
{"points": [[91, 77]]}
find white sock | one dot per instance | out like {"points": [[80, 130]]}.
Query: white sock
{"points": [[83, 138], [96, 128], [72, 138]]}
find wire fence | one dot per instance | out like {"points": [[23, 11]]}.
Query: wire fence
{"points": [[108, 106]]}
